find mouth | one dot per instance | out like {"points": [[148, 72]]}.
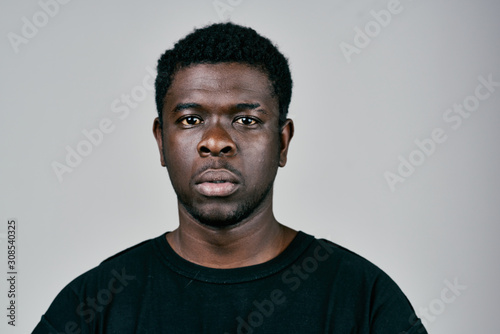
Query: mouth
{"points": [[216, 183], [216, 188]]}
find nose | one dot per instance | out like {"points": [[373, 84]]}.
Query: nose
{"points": [[217, 142]]}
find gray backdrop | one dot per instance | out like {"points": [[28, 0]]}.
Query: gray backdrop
{"points": [[396, 155]]}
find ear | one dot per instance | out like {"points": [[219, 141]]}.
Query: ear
{"points": [[286, 136], [157, 132]]}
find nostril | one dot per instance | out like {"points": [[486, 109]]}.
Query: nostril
{"points": [[204, 149], [226, 150]]}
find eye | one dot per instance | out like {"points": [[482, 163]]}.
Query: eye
{"points": [[246, 121], [191, 120]]}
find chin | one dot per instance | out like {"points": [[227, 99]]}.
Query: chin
{"points": [[220, 216], [219, 224], [219, 219]]}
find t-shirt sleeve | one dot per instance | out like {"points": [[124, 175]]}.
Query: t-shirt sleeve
{"points": [[391, 310], [65, 315]]}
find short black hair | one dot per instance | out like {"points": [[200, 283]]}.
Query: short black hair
{"points": [[225, 43]]}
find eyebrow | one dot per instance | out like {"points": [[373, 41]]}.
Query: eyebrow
{"points": [[183, 106], [250, 106], [239, 106]]}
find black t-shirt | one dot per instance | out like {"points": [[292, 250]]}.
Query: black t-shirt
{"points": [[314, 286]]}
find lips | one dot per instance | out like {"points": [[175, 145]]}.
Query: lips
{"points": [[216, 183]]}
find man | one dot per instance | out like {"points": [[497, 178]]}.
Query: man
{"points": [[222, 96]]}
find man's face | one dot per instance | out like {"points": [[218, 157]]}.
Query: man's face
{"points": [[221, 141]]}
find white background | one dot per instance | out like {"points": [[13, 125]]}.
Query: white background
{"points": [[353, 120]]}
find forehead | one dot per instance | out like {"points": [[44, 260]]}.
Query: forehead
{"points": [[223, 82]]}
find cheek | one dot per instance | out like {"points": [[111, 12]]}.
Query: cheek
{"points": [[179, 155], [261, 154], [178, 147]]}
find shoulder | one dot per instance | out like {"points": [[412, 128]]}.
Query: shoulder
{"points": [[358, 284], [340, 264], [81, 301], [126, 265], [131, 252], [343, 258]]}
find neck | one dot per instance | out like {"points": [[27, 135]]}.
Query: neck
{"points": [[256, 240]]}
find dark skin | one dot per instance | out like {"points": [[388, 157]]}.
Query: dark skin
{"points": [[222, 145]]}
